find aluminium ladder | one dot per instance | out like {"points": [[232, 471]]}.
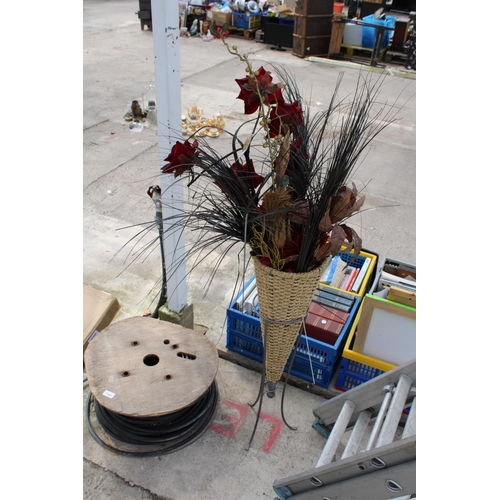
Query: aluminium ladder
{"points": [[377, 422]]}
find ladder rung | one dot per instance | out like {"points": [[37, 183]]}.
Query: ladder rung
{"points": [[411, 422], [396, 407], [336, 434], [357, 433], [380, 416]]}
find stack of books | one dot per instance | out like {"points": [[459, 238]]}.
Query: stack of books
{"points": [[397, 282], [329, 311], [345, 277]]}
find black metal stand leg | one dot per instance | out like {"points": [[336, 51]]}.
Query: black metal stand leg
{"points": [[272, 385], [247, 447], [262, 382], [297, 340], [261, 388]]}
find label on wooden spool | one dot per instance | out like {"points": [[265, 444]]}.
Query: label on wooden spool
{"points": [[143, 367]]}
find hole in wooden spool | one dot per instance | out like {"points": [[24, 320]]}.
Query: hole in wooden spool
{"points": [[166, 341], [151, 360], [168, 377], [134, 342], [186, 355], [175, 346], [125, 374]]}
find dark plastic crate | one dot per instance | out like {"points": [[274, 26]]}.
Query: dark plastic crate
{"points": [[244, 336], [246, 21]]}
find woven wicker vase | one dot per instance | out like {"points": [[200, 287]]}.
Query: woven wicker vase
{"points": [[282, 297]]}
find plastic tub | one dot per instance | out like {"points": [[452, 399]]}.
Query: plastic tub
{"points": [[370, 34], [353, 34]]}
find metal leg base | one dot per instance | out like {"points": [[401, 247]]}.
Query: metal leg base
{"points": [[270, 391]]}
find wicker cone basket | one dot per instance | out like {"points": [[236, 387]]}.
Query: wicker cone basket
{"points": [[282, 297]]}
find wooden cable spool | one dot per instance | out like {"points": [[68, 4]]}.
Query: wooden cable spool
{"points": [[145, 368]]}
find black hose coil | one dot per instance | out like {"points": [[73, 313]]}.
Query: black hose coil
{"points": [[178, 429]]}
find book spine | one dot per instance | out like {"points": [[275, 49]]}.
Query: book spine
{"points": [[330, 303], [339, 273], [329, 313], [334, 298], [352, 278], [335, 294], [342, 285], [248, 305], [324, 276], [247, 291], [332, 269], [342, 294], [361, 275]]}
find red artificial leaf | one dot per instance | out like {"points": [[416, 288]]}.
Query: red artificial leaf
{"points": [[323, 249], [265, 261], [270, 92], [325, 224], [219, 31], [247, 173], [283, 113], [354, 241], [248, 95], [299, 212], [345, 203], [337, 239], [181, 158]]}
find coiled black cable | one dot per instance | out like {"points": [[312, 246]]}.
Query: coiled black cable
{"points": [[177, 429]]}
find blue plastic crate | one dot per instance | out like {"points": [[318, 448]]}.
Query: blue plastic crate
{"points": [[246, 20], [244, 336], [351, 374], [287, 21]]}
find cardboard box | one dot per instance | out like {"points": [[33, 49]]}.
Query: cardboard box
{"points": [[284, 11], [220, 18], [99, 309]]}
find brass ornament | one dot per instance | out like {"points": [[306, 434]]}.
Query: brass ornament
{"points": [[195, 124]]}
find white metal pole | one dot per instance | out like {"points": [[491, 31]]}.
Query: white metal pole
{"points": [[165, 18]]}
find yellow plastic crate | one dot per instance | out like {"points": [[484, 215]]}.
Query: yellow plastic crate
{"points": [[363, 358], [355, 368], [358, 262]]}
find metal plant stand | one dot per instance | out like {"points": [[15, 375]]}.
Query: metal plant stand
{"points": [[271, 386]]}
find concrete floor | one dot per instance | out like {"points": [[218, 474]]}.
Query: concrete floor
{"points": [[120, 165]]}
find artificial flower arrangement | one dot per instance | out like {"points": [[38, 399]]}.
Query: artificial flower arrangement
{"points": [[284, 189]]}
